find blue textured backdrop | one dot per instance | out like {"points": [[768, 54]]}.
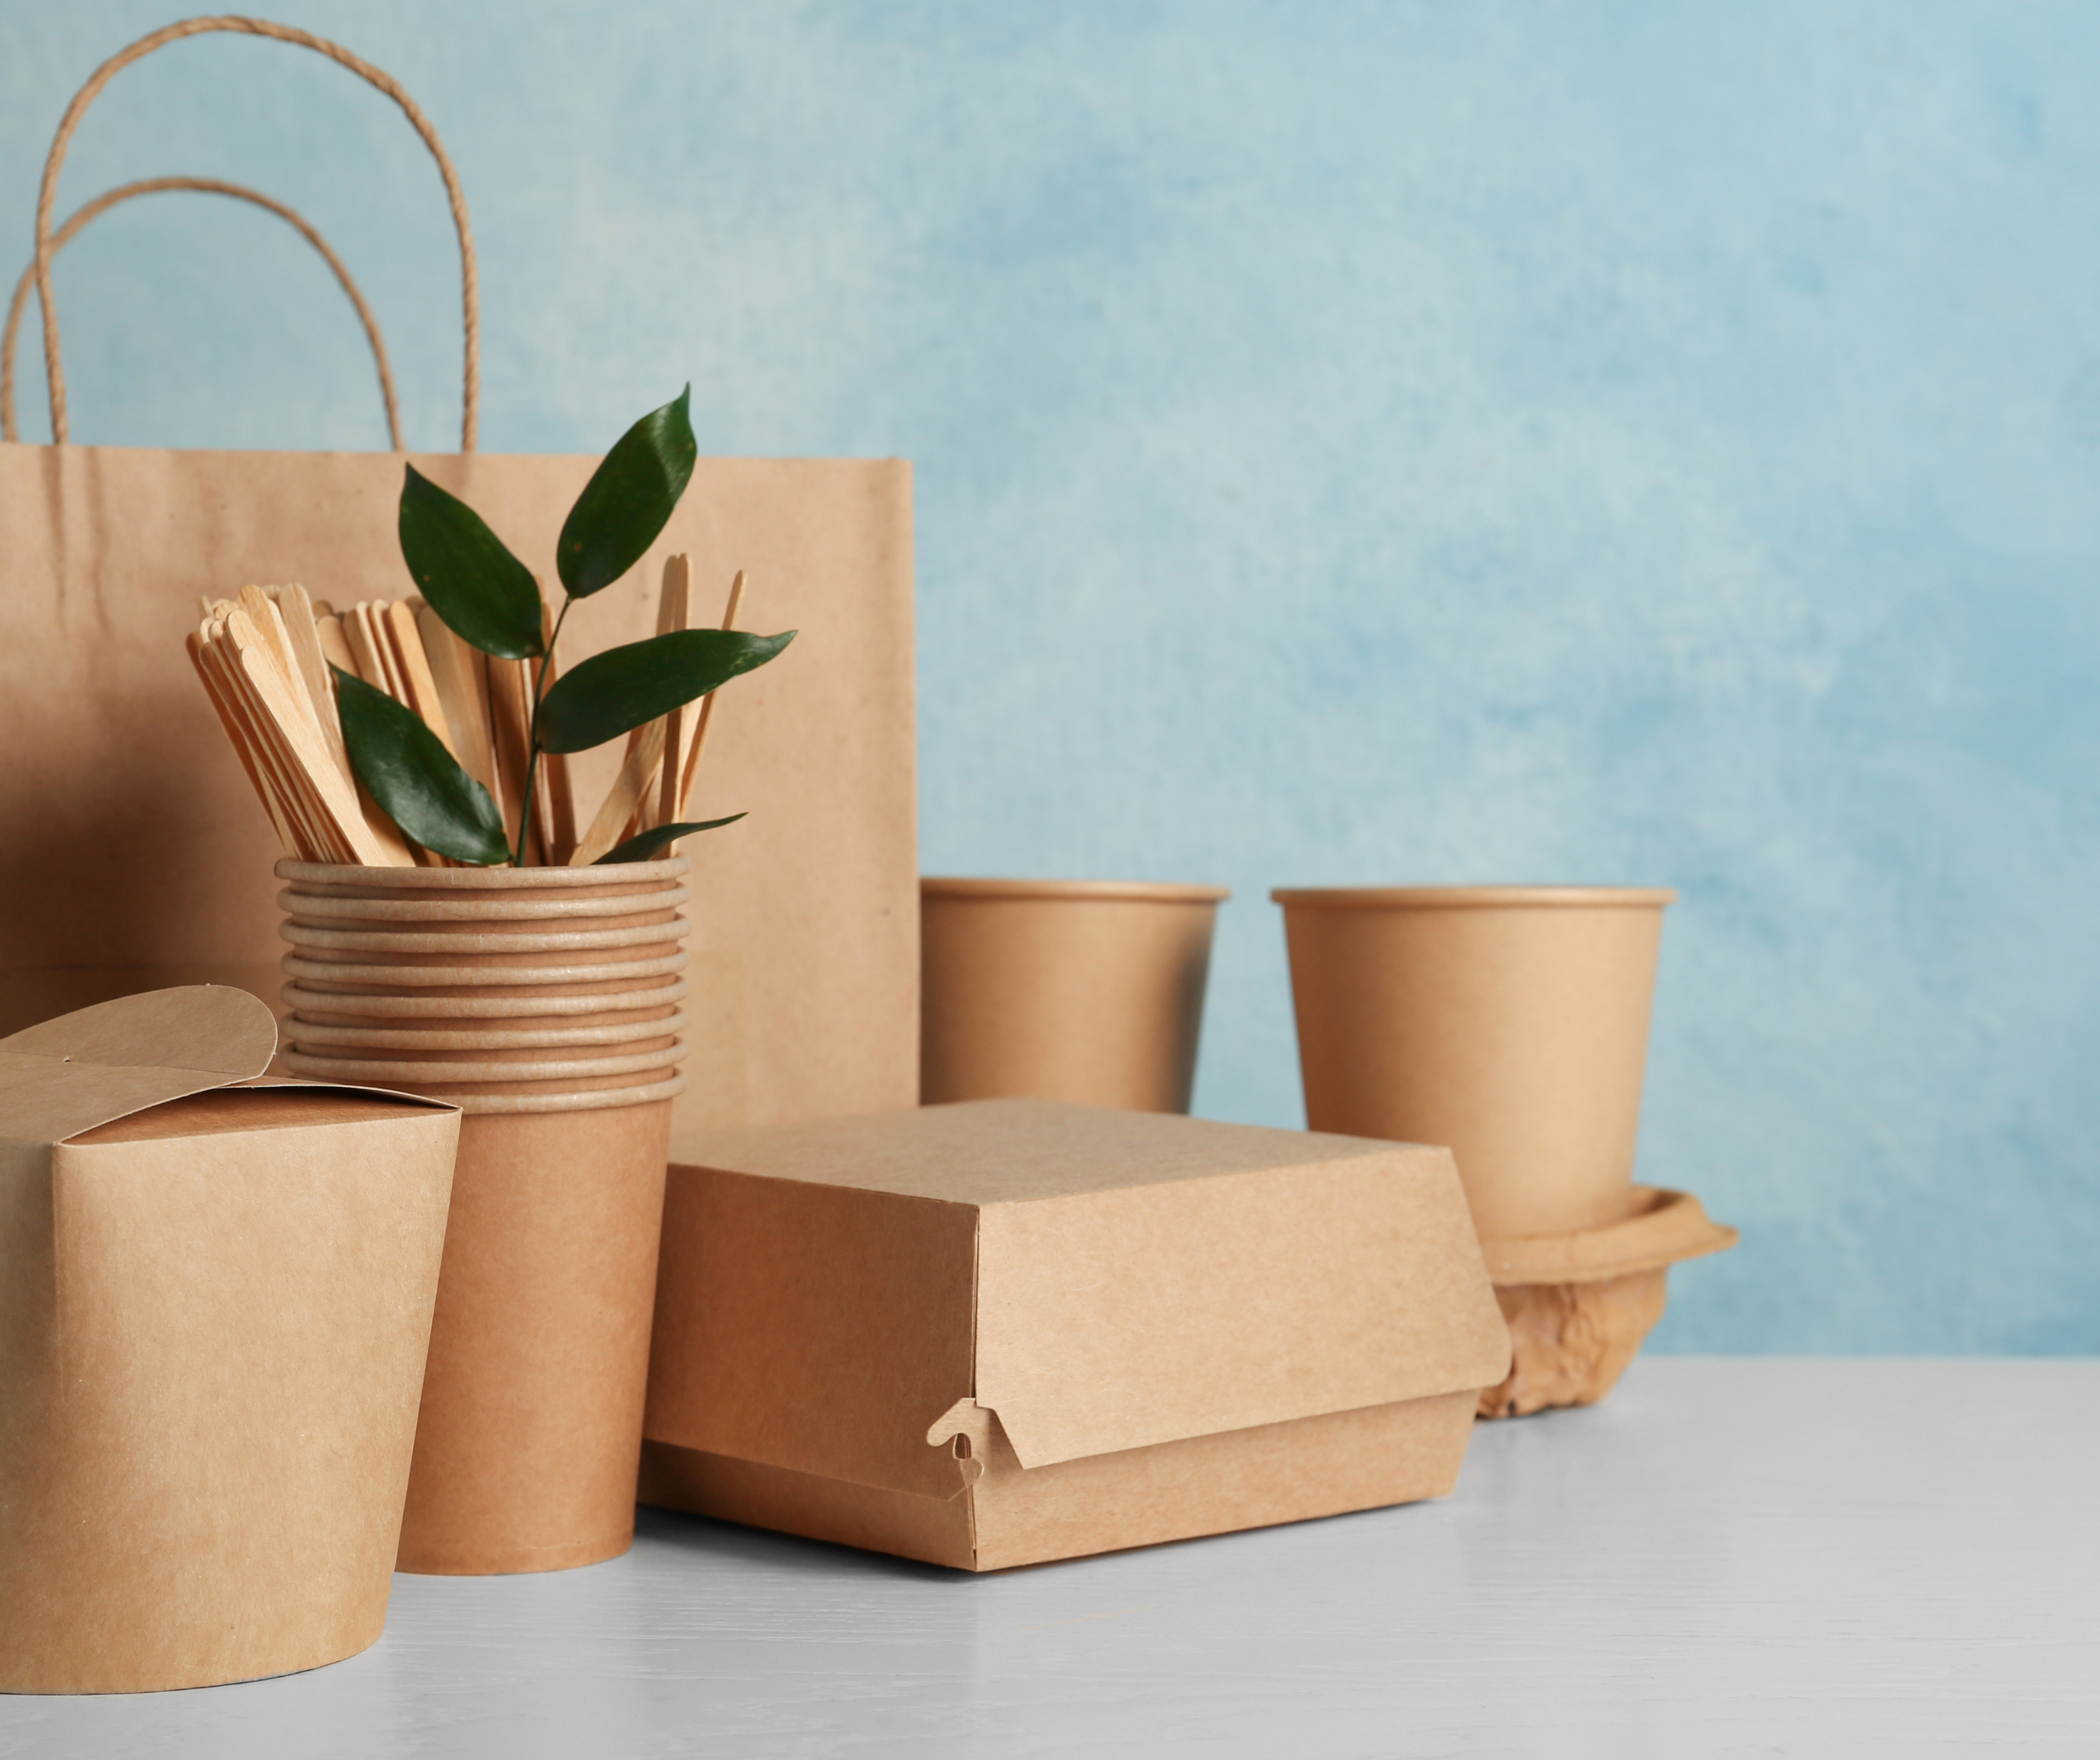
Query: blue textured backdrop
{"points": [[1592, 443]]}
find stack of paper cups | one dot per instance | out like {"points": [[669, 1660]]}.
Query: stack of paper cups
{"points": [[544, 1002]]}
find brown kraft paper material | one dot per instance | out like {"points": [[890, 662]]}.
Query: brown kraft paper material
{"points": [[1510, 1022], [1580, 1305], [808, 921], [1006, 1331], [530, 1424], [215, 1304], [526, 1451], [1089, 991]]}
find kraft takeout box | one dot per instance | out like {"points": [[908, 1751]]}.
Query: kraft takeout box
{"points": [[215, 1299], [1004, 1331]]}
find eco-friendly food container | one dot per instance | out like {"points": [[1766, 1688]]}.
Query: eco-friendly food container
{"points": [[1089, 991], [215, 1300], [1009, 1331], [1510, 1023], [543, 1002]]}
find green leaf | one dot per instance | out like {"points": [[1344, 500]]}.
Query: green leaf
{"points": [[417, 783], [643, 847], [471, 579], [613, 692], [628, 500]]}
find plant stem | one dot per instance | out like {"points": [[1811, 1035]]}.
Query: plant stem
{"points": [[532, 756]]}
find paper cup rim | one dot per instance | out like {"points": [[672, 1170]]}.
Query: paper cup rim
{"points": [[479, 879], [467, 941], [338, 908], [1474, 898], [297, 997], [586, 1100], [463, 1071], [311, 1036], [491, 978], [1134, 891]]}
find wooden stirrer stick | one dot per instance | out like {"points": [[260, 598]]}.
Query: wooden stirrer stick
{"points": [[335, 649], [310, 768], [237, 737], [556, 806], [707, 707], [510, 710], [463, 694], [678, 724], [406, 641], [366, 644], [272, 757], [335, 645], [297, 611], [631, 789]]}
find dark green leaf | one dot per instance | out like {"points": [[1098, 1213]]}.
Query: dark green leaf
{"points": [[643, 847], [628, 500], [611, 693], [485, 594], [418, 784]]}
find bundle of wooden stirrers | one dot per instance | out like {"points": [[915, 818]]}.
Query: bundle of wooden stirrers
{"points": [[264, 658]]}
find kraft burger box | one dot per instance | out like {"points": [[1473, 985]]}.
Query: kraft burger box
{"points": [[1006, 1331], [214, 1304]]}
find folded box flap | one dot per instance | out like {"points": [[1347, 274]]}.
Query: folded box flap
{"points": [[363, 1090], [1116, 1319], [812, 1327], [105, 1063]]}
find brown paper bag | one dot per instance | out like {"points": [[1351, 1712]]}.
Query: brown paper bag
{"points": [[805, 971]]}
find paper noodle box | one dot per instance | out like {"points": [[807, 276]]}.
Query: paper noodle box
{"points": [[1010, 1331], [215, 1304]]}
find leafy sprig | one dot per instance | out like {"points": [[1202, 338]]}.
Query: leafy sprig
{"points": [[490, 600]]}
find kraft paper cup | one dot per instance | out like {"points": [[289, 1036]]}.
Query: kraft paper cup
{"points": [[1081, 990], [543, 1002], [347, 1037], [384, 904], [547, 886], [488, 989], [1508, 1023], [530, 1435], [379, 1070], [471, 1007]]}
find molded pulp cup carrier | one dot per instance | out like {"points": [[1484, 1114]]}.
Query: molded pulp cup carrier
{"points": [[543, 1002]]}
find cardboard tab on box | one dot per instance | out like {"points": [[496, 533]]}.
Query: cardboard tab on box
{"points": [[1003, 1332], [214, 1303]]}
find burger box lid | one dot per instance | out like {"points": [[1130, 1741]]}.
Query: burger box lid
{"points": [[1001, 1331]]}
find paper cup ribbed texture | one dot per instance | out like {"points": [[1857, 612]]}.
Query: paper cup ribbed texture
{"points": [[545, 1002]]}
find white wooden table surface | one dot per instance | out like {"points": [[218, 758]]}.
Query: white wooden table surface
{"points": [[1733, 1556]]}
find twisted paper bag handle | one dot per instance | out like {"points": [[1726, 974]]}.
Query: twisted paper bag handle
{"points": [[47, 243], [291, 216]]}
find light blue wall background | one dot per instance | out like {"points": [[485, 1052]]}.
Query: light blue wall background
{"points": [[1532, 440]]}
